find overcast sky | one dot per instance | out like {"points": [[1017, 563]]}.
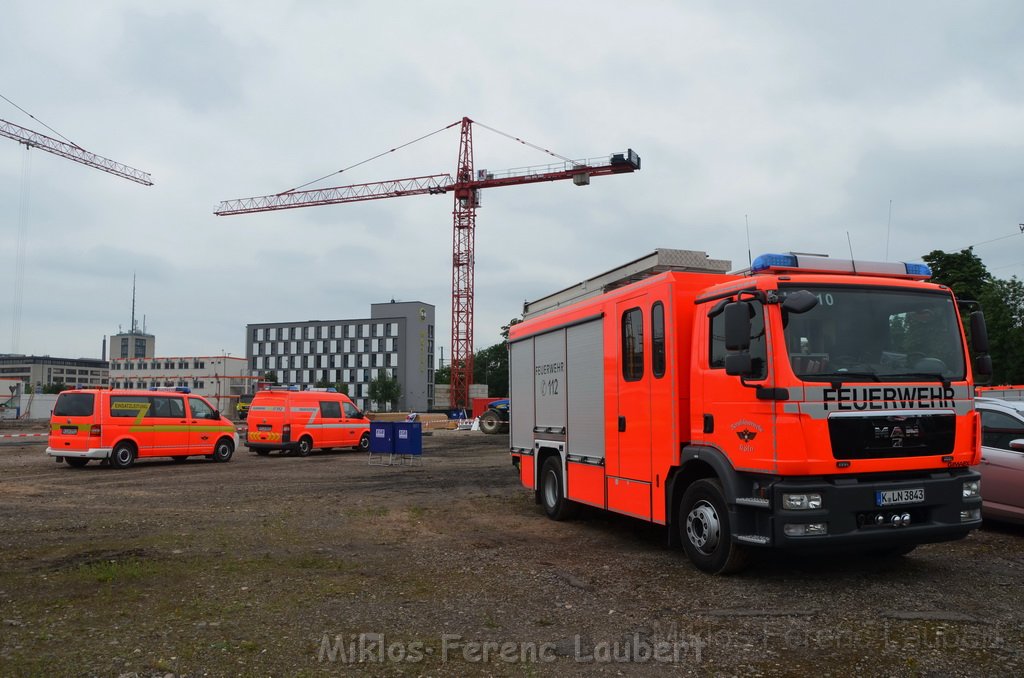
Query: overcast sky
{"points": [[807, 118]]}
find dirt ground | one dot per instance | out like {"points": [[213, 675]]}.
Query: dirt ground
{"points": [[283, 566]]}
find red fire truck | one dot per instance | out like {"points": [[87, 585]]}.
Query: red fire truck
{"points": [[805, 403]]}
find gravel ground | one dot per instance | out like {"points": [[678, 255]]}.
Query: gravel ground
{"points": [[321, 565]]}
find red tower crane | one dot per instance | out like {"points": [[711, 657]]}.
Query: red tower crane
{"points": [[465, 186]]}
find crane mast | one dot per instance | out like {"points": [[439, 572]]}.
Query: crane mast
{"points": [[466, 186]]}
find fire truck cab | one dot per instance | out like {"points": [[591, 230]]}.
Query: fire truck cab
{"points": [[805, 403]]}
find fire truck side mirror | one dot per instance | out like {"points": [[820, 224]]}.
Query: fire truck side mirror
{"points": [[983, 366], [738, 364], [979, 332], [799, 302], [737, 326]]}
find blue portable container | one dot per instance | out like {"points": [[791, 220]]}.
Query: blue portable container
{"points": [[382, 437], [408, 437]]}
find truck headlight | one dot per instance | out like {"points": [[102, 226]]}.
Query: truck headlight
{"points": [[972, 488], [801, 502]]}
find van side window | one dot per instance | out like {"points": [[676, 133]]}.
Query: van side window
{"points": [[161, 407], [176, 408], [758, 348], [330, 409], [199, 409], [633, 344], [658, 339], [129, 406], [351, 411]]}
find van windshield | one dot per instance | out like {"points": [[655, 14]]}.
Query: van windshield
{"points": [[875, 334], [74, 405]]}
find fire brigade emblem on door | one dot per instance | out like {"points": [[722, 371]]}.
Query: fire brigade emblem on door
{"points": [[746, 431]]}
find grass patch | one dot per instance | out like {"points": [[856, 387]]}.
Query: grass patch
{"points": [[112, 571]]}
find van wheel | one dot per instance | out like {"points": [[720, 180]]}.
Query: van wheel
{"points": [[305, 446], [223, 451], [364, 443], [123, 455], [556, 506], [76, 462], [705, 530]]}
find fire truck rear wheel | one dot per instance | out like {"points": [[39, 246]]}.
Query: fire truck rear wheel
{"points": [[223, 451], [705, 531], [305, 446], [552, 494], [364, 443], [123, 455]]}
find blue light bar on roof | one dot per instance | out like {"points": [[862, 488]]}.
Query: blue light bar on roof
{"points": [[767, 261], [821, 264], [922, 270]]}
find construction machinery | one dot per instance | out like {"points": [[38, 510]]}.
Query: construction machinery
{"points": [[465, 185]]}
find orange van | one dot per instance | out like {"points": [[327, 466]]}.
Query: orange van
{"points": [[299, 422], [120, 426]]}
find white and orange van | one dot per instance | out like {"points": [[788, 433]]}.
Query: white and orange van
{"points": [[299, 422], [120, 426]]}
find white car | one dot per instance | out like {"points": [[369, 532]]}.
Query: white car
{"points": [[1002, 458]]}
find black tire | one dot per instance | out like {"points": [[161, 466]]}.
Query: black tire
{"points": [[552, 495], [223, 450], [123, 455], [364, 443], [490, 422], [305, 446], [705, 530], [263, 453], [76, 462], [178, 459]]}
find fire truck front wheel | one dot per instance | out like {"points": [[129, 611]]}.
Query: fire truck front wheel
{"points": [[705, 530], [552, 491]]}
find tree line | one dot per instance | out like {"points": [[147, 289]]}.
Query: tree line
{"points": [[1002, 302]]}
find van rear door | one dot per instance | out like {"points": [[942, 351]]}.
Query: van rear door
{"points": [[72, 419]]}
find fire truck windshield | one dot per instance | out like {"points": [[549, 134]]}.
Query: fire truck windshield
{"points": [[859, 333]]}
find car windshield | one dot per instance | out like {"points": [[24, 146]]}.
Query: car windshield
{"points": [[875, 334]]}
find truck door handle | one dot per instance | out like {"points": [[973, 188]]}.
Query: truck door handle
{"points": [[622, 424]]}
